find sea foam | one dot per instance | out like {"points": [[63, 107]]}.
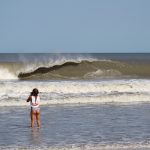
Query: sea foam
{"points": [[72, 92]]}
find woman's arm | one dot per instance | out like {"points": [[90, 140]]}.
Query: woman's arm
{"points": [[29, 99]]}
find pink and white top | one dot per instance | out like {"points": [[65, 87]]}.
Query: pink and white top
{"points": [[35, 101]]}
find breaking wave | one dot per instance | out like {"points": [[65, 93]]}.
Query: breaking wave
{"points": [[69, 67], [75, 70]]}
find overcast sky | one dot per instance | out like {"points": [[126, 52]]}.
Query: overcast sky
{"points": [[74, 26]]}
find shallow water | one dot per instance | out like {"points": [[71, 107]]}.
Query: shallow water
{"points": [[94, 126]]}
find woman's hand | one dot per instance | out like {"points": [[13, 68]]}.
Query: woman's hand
{"points": [[35, 104]]}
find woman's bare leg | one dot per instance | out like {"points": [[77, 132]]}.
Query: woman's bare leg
{"points": [[33, 119], [38, 119]]}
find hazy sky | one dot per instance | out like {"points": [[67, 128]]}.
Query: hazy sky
{"points": [[74, 26]]}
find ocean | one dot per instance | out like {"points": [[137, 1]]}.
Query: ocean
{"points": [[89, 101]]}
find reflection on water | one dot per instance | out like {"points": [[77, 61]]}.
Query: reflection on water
{"points": [[65, 125], [36, 136]]}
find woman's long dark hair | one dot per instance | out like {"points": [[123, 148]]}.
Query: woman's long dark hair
{"points": [[35, 92]]}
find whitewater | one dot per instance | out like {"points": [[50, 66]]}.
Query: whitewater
{"points": [[14, 93]]}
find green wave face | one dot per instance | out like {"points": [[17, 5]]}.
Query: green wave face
{"points": [[70, 70], [89, 70]]}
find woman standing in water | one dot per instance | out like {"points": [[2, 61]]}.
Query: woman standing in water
{"points": [[34, 100]]}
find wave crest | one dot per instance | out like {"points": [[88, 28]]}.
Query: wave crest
{"points": [[77, 69]]}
